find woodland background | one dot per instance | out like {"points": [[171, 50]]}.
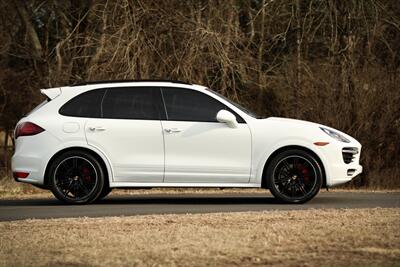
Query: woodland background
{"points": [[330, 61]]}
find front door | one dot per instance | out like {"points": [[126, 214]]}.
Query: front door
{"points": [[198, 148]]}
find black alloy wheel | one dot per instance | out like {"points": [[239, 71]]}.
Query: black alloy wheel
{"points": [[294, 176], [76, 177]]}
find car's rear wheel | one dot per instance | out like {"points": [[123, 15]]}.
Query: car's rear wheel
{"points": [[76, 177], [294, 176]]}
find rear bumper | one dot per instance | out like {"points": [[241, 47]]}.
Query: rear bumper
{"points": [[30, 164], [31, 156]]}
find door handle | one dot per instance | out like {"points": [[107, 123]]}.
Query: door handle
{"points": [[98, 128], [173, 130]]}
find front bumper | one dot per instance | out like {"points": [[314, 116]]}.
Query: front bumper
{"points": [[343, 173], [340, 167]]}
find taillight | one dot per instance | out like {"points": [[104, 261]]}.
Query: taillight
{"points": [[27, 128], [20, 175]]}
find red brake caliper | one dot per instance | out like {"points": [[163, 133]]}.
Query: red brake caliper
{"points": [[86, 174], [305, 173]]}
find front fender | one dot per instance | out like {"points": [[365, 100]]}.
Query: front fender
{"points": [[287, 142]]}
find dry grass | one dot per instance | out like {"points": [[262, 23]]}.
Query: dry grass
{"points": [[9, 189], [368, 237]]}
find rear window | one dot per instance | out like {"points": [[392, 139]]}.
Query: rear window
{"points": [[87, 104], [137, 103]]}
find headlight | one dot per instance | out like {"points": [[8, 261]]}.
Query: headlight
{"points": [[335, 135]]}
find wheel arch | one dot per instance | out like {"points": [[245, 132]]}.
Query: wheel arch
{"points": [[76, 148], [284, 148]]}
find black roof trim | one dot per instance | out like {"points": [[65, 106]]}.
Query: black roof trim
{"points": [[126, 81]]}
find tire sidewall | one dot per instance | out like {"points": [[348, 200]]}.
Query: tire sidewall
{"points": [[104, 193], [277, 159], [100, 177]]}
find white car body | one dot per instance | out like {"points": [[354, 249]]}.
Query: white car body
{"points": [[163, 153]]}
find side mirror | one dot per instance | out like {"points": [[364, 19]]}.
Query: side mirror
{"points": [[227, 117]]}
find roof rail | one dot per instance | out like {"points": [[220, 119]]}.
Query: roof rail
{"points": [[126, 81]]}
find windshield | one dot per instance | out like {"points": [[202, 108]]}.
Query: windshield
{"points": [[245, 110]]}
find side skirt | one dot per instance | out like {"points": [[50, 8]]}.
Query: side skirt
{"points": [[220, 185]]}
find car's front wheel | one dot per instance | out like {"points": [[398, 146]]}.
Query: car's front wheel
{"points": [[294, 176], [105, 192], [76, 177]]}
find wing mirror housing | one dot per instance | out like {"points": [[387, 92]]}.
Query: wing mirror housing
{"points": [[227, 117]]}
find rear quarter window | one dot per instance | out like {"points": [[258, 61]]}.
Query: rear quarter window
{"points": [[87, 104]]}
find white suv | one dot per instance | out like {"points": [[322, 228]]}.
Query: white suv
{"points": [[87, 139]]}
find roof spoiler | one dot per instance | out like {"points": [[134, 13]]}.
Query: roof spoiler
{"points": [[51, 93]]}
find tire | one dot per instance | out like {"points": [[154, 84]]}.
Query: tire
{"points": [[105, 192], [294, 176], [76, 177]]}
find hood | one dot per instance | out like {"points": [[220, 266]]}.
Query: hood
{"points": [[294, 121], [306, 124]]}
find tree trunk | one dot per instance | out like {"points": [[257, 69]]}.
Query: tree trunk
{"points": [[5, 151], [261, 80], [30, 29], [298, 65]]}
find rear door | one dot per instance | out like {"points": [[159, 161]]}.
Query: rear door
{"points": [[129, 133]]}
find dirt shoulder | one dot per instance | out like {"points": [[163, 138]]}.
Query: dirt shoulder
{"points": [[366, 237]]}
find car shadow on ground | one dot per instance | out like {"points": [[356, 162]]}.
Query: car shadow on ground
{"points": [[171, 200], [189, 200]]}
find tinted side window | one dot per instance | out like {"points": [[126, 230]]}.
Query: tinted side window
{"points": [[84, 105], [190, 105], [141, 103]]}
